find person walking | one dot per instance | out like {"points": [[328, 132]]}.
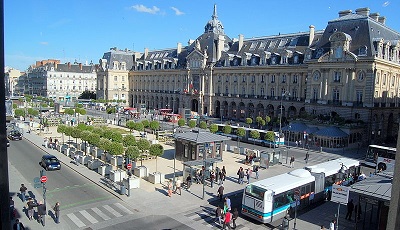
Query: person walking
{"points": [[31, 205], [56, 209], [212, 176], [41, 210], [238, 174], [221, 178], [178, 185], [332, 225], [18, 225], [169, 185], [227, 220], [223, 172], [188, 182], [219, 215], [235, 215], [220, 192], [23, 192], [228, 203], [248, 174], [306, 158], [11, 202], [241, 176], [292, 162], [350, 208], [217, 170]]}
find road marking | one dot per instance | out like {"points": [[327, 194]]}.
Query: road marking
{"points": [[88, 216], [76, 220], [101, 214], [120, 206], [115, 213]]}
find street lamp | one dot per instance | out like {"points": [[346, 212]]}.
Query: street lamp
{"points": [[280, 117]]}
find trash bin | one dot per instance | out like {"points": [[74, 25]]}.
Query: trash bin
{"points": [[122, 190]]}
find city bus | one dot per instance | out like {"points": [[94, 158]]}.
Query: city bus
{"points": [[164, 111], [380, 157], [170, 117], [273, 198]]}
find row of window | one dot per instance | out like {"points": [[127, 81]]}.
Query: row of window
{"points": [[116, 78], [73, 76]]}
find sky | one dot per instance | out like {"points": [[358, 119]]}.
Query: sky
{"points": [[83, 30]]}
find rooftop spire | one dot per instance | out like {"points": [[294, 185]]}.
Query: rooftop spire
{"points": [[214, 25], [214, 16]]}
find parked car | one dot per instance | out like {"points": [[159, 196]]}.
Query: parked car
{"points": [[50, 162], [15, 135]]}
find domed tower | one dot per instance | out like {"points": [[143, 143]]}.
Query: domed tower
{"points": [[214, 25]]}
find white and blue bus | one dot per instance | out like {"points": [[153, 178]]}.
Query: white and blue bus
{"points": [[273, 198], [247, 138], [380, 157]]}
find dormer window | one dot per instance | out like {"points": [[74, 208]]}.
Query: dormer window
{"points": [[362, 51]]}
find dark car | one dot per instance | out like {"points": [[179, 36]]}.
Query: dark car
{"points": [[50, 162], [15, 135]]}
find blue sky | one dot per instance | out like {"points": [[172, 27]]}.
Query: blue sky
{"points": [[83, 30]]}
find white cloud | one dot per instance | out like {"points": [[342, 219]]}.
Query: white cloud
{"points": [[43, 43], [385, 4], [144, 9], [177, 11]]}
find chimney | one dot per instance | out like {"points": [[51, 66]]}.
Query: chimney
{"points": [[382, 20], [69, 65], [344, 13], [80, 66], [221, 44], [178, 48], [55, 65], [146, 52], [190, 41], [374, 16], [312, 33], [363, 11], [240, 42]]}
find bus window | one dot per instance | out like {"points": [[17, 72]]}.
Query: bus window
{"points": [[255, 191]]}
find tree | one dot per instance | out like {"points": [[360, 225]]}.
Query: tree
{"points": [[68, 132], [154, 125], [82, 127], [259, 121], [267, 119], [98, 131], [241, 132], [94, 139], [19, 112], [116, 148], [110, 110], [203, 125], [61, 129], [143, 145], [14, 106], [132, 152], [87, 95], [249, 121], [255, 135], [69, 111], [77, 105], [130, 125], [116, 137], [85, 135], [104, 144], [129, 140], [181, 122], [192, 124], [146, 123], [139, 127], [227, 129], [76, 133], [108, 133], [156, 150], [213, 128], [270, 137]]}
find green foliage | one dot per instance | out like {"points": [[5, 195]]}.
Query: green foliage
{"points": [[249, 121], [132, 152], [241, 132], [192, 123], [44, 105], [116, 137], [129, 140], [269, 136], [85, 135], [108, 133], [82, 126], [259, 119], [51, 104], [104, 144], [14, 106], [139, 127], [33, 112], [130, 125], [94, 139], [76, 133], [181, 122], [110, 110], [19, 112], [154, 125], [87, 95], [267, 119], [116, 148], [69, 111], [77, 105], [227, 129], [68, 131], [98, 131], [143, 144], [61, 129], [81, 111], [203, 125], [89, 128], [156, 150], [255, 134], [213, 128], [146, 123]]}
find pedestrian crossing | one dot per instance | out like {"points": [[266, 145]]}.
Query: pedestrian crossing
{"points": [[206, 216], [95, 215]]}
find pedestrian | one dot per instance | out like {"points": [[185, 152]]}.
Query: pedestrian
{"points": [[212, 176], [31, 205], [332, 225], [306, 158], [220, 192], [235, 215], [241, 176], [18, 225], [292, 162], [323, 227], [350, 208], [221, 177], [297, 143], [23, 192], [223, 172], [50, 142], [238, 174], [228, 203], [56, 209], [256, 171], [285, 223], [248, 174], [188, 182], [178, 184], [45, 142], [41, 210], [169, 185], [12, 212], [217, 175], [218, 214], [76, 157], [227, 220]]}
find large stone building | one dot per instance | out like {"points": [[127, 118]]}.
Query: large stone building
{"points": [[11, 81], [350, 70], [60, 82]]}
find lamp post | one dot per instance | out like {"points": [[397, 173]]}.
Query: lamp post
{"points": [[280, 118]]}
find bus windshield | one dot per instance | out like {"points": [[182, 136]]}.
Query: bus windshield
{"points": [[255, 191]]}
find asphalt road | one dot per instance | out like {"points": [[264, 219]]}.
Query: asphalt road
{"points": [[64, 186]]}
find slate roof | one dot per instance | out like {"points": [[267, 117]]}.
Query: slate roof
{"points": [[331, 132], [311, 130], [378, 186], [114, 54], [200, 137], [296, 127]]}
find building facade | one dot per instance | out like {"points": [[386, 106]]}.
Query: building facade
{"points": [[11, 81], [350, 70]]}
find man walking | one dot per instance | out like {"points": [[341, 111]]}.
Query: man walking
{"points": [[256, 171], [235, 215], [292, 162], [241, 175], [220, 192], [41, 210], [23, 192], [212, 176], [57, 212], [350, 207], [178, 184], [188, 182], [306, 158], [227, 220], [31, 205], [218, 214]]}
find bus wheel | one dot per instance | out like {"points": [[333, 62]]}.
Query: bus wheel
{"points": [[381, 167]]}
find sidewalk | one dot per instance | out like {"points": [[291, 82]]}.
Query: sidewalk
{"points": [[150, 198]]}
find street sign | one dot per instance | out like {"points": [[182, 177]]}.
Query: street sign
{"points": [[43, 179], [340, 194], [129, 166]]}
